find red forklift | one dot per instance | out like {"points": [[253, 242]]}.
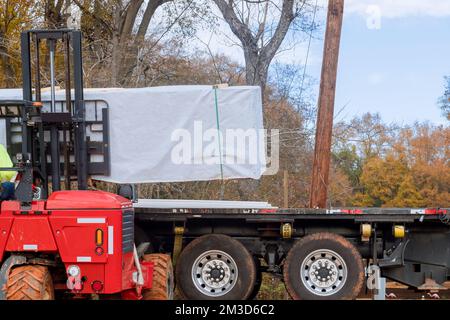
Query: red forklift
{"points": [[66, 242]]}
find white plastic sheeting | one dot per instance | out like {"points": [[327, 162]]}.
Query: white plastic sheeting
{"points": [[171, 134]]}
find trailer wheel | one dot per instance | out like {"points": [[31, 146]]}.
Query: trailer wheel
{"points": [[323, 266], [30, 282], [258, 281], [215, 267], [163, 280]]}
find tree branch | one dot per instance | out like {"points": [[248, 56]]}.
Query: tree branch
{"points": [[286, 18], [96, 17], [152, 6], [237, 27], [130, 17]]}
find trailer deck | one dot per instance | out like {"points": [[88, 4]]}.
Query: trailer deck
{"points": [[182, 210]]}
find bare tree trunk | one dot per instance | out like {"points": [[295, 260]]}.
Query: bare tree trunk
{"points": [[129, 43], [115, 59], [255, 71], [125, 43]]}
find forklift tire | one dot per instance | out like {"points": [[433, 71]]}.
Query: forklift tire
{"points": [[215, 267], [163, 280], [323, 266], [30, 282]]}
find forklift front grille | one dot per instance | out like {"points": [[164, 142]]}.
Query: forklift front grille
{"points": [[127, 230]]}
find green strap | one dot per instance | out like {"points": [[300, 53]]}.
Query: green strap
{"points": [[218, 130]]}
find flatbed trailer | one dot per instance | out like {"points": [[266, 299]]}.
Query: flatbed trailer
{"points": [[220, 253]]}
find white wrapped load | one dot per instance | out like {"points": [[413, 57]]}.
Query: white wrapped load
{"points": [[171, 134]]}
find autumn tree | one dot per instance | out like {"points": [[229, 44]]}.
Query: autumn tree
{"points": [[389, 165], [388, 183], [356, 142], [122, 26], [349, 162], [15, 15], [381, 179], [426, 147], [371, 135], [407, 195]]}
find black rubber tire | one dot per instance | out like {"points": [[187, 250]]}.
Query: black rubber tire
{"points": [[245, 281], [303, 247], [258, 281]]}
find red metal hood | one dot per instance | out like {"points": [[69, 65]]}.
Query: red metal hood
{"points": [[81, 199]]}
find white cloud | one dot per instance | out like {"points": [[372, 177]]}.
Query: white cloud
{"points": [[401, 8]]}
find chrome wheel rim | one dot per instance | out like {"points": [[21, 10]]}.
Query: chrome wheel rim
{"points": [[214, 273], [323, 272]]}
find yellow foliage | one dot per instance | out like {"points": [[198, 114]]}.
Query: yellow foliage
{"points": [[15, 16]]}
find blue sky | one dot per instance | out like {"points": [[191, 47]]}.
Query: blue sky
{"points": [[396, 69]]}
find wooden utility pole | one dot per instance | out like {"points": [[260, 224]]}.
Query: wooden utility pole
{"points": [[286, 189], [324, 127]]}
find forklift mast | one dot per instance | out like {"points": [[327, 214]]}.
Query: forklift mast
{"points": [[57, 141], [71, 122]]}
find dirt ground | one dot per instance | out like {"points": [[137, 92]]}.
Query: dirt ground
{"points": [[273, 289]]}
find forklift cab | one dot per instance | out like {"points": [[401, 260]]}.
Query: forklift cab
{"points": [[8, 176]]}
